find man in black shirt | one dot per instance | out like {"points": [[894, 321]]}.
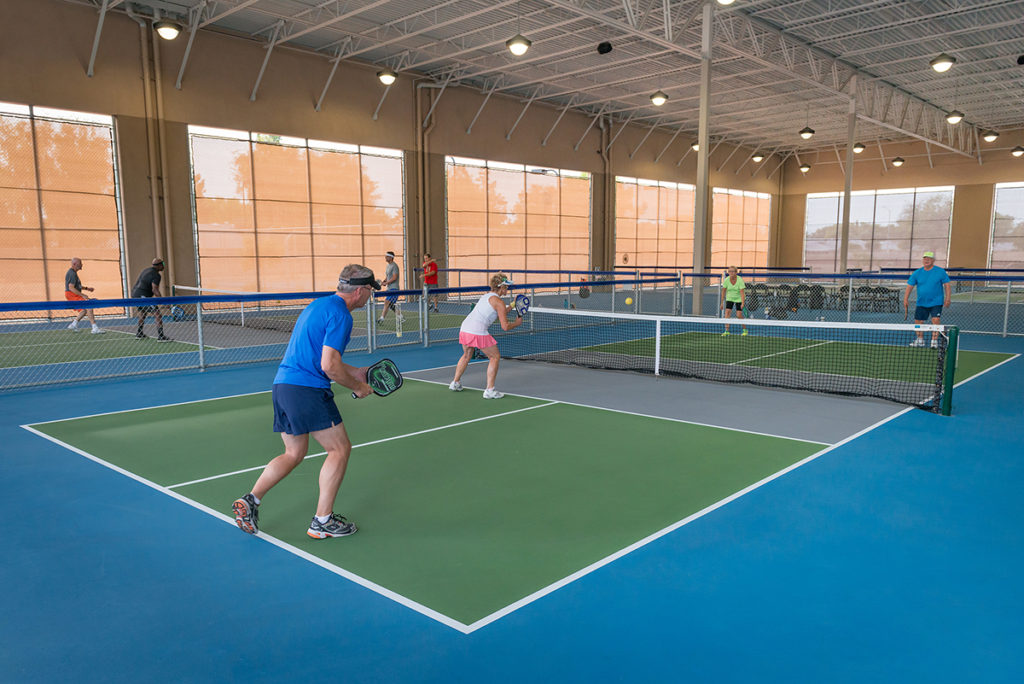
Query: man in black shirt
{"points": [[73, 293], [148, 285]]}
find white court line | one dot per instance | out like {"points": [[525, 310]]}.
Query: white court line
{"points": [[978, 375], [788, 351], [362, 581], [565, 581], [641, 415], [376, 441], [193, 401]]}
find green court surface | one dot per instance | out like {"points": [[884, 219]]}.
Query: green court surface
{"points": [[788, 353], [38, 347], [464, 506]]}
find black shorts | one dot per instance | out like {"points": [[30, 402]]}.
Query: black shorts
{"points": [[300, 410], [149, 309], [734, 305]]}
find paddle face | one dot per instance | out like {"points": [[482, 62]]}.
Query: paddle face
{"points": [[522, 304], [584, 292], [384, 377], [177, 313]]}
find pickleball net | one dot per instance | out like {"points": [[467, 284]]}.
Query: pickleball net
{"points": [[854, 359]]}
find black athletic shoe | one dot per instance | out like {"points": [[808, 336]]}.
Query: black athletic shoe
{"points": [[336, 526], [163, 338], [141, 336], [247, 514]]}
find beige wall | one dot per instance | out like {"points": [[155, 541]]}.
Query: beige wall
{"points": [[972, 200]]}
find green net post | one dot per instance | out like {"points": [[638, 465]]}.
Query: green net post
{"points": [[950, 371]]}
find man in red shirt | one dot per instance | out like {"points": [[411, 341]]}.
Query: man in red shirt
{"points": [[430, 279]]}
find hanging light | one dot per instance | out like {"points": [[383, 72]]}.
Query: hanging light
{"points": [[898, 161], [387, 76], [1017, 151], [989, 136], [168, 30], [726, 2], [954, 117], [518, 44], [942, 63], [695, 146], [858, 148], [659, 98], [806, 132], [805, 167], [758, 158]]}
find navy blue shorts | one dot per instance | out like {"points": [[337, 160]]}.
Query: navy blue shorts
{"points": [[392, 298], [927, 313], [299, 410]]}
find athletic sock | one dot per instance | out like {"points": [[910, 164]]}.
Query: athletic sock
{"points": [[255, 499], [322, 519]]}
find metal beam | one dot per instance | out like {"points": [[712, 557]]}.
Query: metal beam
{"points": [[544, 142], [96, 38], [617, 134], [196, 15], [483, 104], [381, 103], [266, 59], [593, 121], [508, 136], [668, 144], [327, 85], [646, 136]]}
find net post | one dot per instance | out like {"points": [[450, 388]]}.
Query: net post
{"points": [[1006, 310], [425, 317], [849, 299], [721, 288], [199, 332], [678, 294], [950, 370], [657, 347], [371, 321]]}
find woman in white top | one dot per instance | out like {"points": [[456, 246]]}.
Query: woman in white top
{"points": [[473, 333]]}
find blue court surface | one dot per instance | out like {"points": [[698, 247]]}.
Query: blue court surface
{"points": [[893, 557]]}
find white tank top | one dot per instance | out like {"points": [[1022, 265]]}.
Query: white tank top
{"points": [[481, 317]]}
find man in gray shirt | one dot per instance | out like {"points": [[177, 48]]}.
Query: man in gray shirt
{"points": [[73, 293], [390, 282]]}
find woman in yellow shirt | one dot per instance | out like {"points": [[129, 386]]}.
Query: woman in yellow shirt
{"points": [[734, 296]]}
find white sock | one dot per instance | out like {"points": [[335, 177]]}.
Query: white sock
{"points": [[322, 519], [256, 499]]}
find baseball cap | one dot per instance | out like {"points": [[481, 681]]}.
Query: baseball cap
{"points": [[929, 254], [508, 281]]}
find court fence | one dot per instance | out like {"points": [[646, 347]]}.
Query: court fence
{"points": [[207, 328]]}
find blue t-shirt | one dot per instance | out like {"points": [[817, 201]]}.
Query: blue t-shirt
{"points": [[929, 286], [326, 322]]}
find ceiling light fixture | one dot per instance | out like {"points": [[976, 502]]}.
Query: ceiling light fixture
{"points": [[858, 148], [168, 30], [990, 136], [695, 147], [659, 98], [954, 117], [805, 167], [898, 161], [518, 44], [1017, 151], [758, 158], [726, 2], [806, 132], [942, 63], [387, 76]]}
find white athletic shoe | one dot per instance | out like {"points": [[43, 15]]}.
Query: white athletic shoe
{"points": [[918, 342], [97, 330], [73, 325], [455, 386], [380, 321], [400, 317], [493, 394], [935, 344]]}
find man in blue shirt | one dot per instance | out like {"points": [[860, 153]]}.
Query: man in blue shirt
{"points": [[304, 403], [933, 292]]}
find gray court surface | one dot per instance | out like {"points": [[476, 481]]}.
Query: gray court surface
{"points": [[799, 415]]}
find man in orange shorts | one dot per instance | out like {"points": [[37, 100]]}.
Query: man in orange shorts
{"points": [[73, 293]]}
